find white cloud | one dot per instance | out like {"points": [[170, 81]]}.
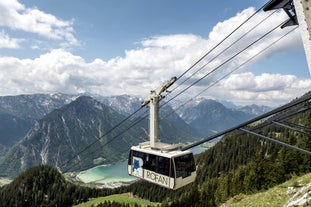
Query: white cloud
{"points": [[61, 71], [222, 29], [17, 17], [7, 42], [145, 68], [264, 82], [269, 89], [177, 40]]}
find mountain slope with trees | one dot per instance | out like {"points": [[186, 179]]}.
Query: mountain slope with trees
{"points": [[12, 129], [85, 122], [295, 192], [61, 134], [45, 186], [247, 164], [209, 115], [238, 164], [19, 113]]}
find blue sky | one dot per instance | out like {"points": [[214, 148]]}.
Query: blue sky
{"points": [[129, 47], [107, 28]]}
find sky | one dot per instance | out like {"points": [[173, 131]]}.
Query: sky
{"points": [[116, 47]]}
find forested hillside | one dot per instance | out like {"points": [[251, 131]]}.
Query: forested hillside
{"points": [[63, 133], [239, 163], [44, 186]]}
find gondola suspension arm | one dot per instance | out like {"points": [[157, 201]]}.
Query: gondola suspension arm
{"points": [[153, 100]]}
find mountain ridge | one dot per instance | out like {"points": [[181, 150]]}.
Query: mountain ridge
{"points": [[238, 164], [72, 121], [209, 115], [19, 113], [65, 132]]}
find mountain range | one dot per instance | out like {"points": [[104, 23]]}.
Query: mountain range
{"points": [[19, 113], [56, 129], [227, 173], [208, 115], [65, 132]]}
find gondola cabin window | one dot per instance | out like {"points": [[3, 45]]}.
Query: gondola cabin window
{"points": [[163, 166], [151, 162], [184, 165]]}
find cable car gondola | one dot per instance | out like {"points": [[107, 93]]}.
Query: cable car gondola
{"points": [[163, 164], [171, 169]]}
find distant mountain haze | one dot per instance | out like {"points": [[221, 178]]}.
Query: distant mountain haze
{"points": [[19, 113], [66, 131], [52, 129], [208, 115]]}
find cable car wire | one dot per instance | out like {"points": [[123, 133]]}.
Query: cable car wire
{"points": [[274, 111], [224, 50], [238, 67], [97, 140], [222, 64], [123, 121], [108, 142], [277, 141], [301, 127], [206, 54], [144, 117], [279, 117], [291, 128]]}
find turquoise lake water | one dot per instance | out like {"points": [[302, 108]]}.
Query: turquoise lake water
{"points": [[108, 173], [114, 173]]}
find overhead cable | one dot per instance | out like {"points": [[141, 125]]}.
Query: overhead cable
{"points": [[238, 67], [108, 142], [228, 60], [277, 141], [224, 50], [123, 121], [145, 116], [98, 139], [220, 43], [304, 98]]}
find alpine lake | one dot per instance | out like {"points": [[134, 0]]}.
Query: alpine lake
{"points": [[111, 176]]}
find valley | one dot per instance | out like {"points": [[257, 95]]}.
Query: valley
{"points": [[60, 126], [227, 121], [236, 164]]}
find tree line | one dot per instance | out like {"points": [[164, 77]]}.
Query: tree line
{"points": [[239, 163]]}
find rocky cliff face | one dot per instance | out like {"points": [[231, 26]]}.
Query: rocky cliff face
{"points": [[19, 113], [35, 106], [63, 133]]}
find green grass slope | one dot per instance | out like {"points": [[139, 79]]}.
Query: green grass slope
{"points": [[125, 198], [280, 195]]}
